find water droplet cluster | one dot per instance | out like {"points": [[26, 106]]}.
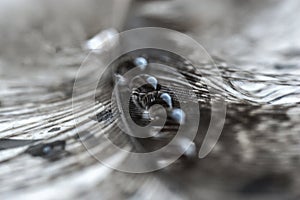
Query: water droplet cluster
{"points": [[153, 94]]}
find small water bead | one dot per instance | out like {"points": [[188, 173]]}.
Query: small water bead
{"points": [[141, 62], [152, 81], [178, 115], [144, 83], [191, 150], [166, 98]]}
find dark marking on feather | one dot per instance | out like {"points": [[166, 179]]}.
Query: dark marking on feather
{"points": [[54, 129], [51, 151]]}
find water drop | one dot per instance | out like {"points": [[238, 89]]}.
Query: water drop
{"points": [[141, 63], [178, 115], [166, 98], [152, 81]]}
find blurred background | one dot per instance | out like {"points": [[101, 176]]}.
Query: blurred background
{"points": [[32, 27], [256, 43]]}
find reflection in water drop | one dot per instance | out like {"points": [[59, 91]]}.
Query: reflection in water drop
{"points": [[152, 81], [166, 98]]}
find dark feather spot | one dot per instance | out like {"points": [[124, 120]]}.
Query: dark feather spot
{"points": [[51, 151], [54, 129]]}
